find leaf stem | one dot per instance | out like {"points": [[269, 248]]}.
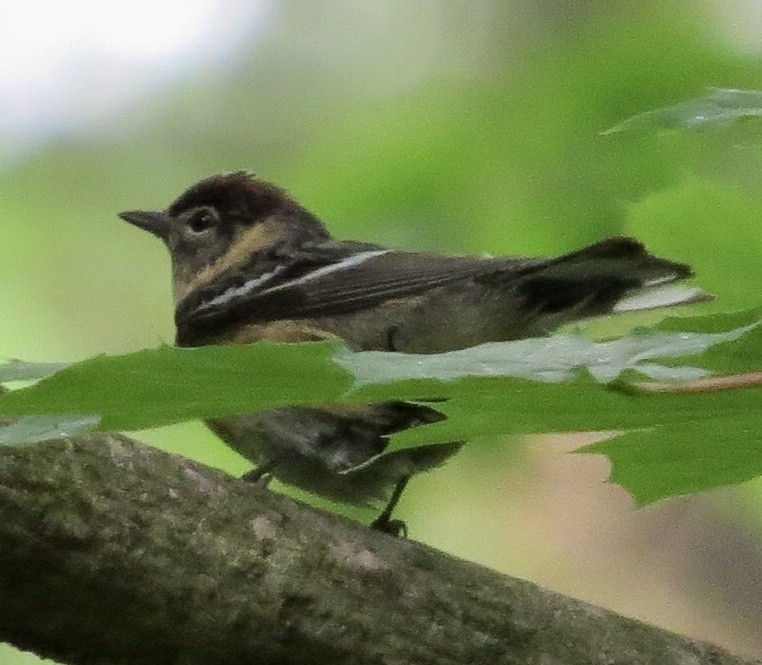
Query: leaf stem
{"points": [[713, 384]]}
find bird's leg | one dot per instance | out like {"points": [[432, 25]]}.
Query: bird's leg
{"points": [[384, 522]]}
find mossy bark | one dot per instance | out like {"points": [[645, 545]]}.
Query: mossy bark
{"points": [[114, 552]]}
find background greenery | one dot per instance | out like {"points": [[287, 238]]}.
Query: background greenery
{"points": [[456, 128]]}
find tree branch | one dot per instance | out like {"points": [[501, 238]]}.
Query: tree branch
{"points": [[114, 552]]}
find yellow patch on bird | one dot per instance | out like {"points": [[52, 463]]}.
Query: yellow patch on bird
{"points": [[285, 330], [252, 240]]}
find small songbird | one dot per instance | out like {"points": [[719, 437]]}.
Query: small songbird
{"points": [[249, 264]]}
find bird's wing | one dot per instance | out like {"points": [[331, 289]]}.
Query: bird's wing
{"points": [[328, 279]]}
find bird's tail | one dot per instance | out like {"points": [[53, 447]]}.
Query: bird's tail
{"points": [[614, 275], [380, 474]]}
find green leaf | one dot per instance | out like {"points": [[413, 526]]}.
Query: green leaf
{"points": [[509, 406], [168, 385], [21, 370], [34, 429], [549, 384], [719, 107], [686, 457], [742, 355], [709, 439], [550, 359]]}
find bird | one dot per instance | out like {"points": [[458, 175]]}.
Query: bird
{"points": [[249, 263]]}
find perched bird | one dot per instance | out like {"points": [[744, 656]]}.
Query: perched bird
{"points": [[249, 263]]}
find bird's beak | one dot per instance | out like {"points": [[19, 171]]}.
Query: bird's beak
{"points": [[155, 222]]}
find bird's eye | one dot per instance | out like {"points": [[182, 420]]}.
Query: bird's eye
{"points": [[201, 220]]}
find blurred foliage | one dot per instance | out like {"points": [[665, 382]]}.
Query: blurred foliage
{"points": [[446, 125], [504, 157]]}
